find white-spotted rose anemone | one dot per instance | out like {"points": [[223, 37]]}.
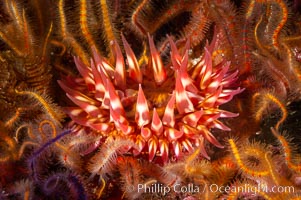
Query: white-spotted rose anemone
{"points": [[164, 110]]}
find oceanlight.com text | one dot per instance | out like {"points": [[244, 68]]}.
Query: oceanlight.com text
{"points": [[247, 188]]}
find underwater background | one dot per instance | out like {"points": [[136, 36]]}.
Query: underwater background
{"points": [[150, 99]]}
